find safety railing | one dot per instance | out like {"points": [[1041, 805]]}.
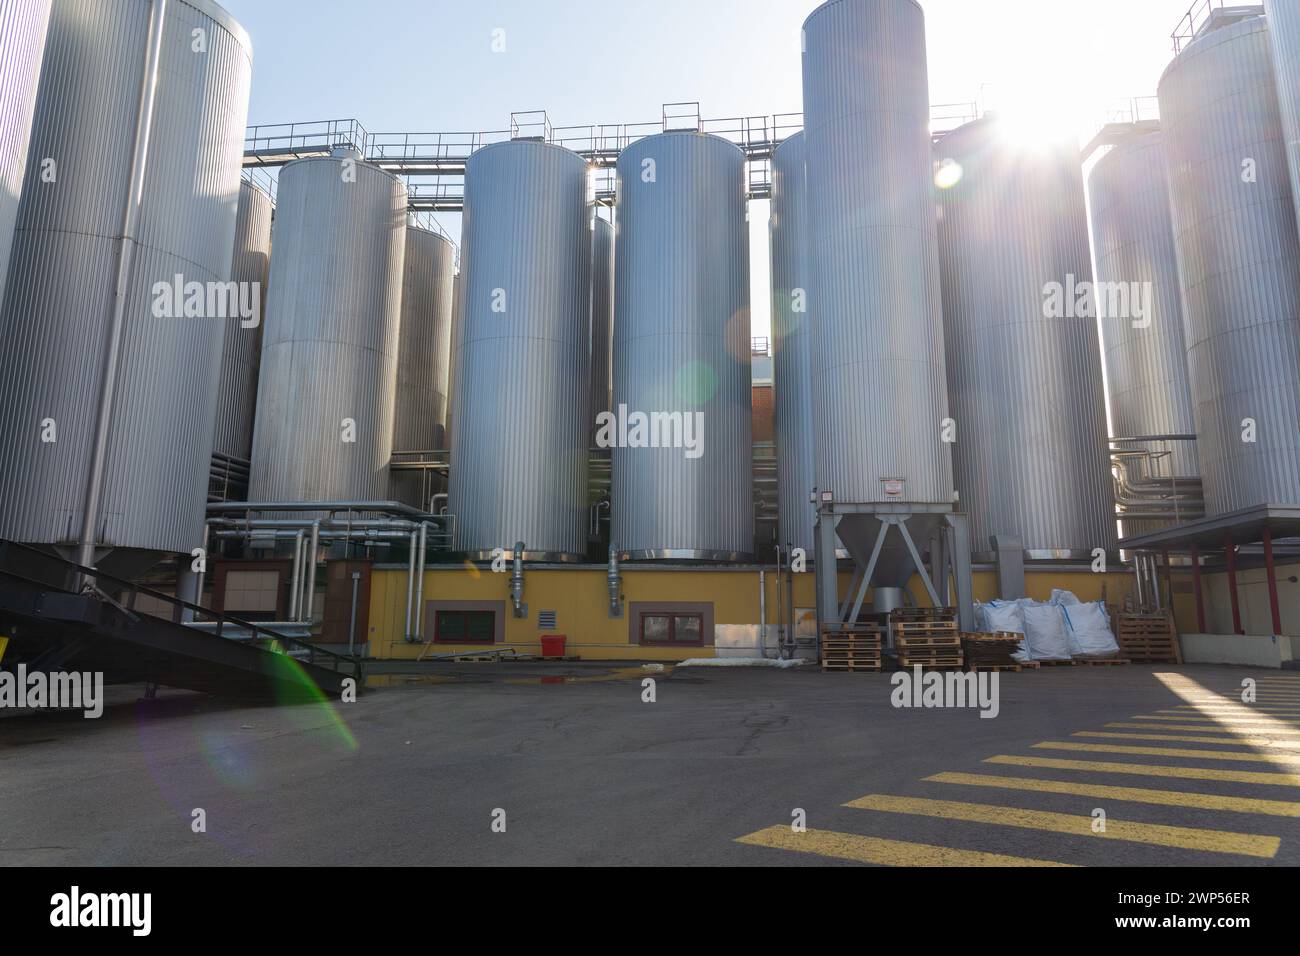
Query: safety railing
{"points": [[130, 592]]}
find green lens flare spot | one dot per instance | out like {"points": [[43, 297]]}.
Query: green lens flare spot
{"points": [[697, 383]]}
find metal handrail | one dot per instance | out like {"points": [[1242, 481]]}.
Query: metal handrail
{"points": [[1193, 20], [135, 590]]}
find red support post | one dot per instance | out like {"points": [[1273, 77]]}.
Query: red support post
{"points": [[1196, 587], [1230, 552], [1273, 607]]}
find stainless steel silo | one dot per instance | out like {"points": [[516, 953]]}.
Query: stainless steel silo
{"points": [[242, 349], [602, 313], [877, 347], [329, 350], [1024, 377], [682, 352], [790, 344], [1239, 263], [1284, 33], [56, 329], [522, 386], [423, 354], [22, 47], [1145, 355]]}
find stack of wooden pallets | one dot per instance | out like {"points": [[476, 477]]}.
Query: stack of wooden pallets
{"points": [[853, 647], [1149, 638], [991, 652], [926, 636]]}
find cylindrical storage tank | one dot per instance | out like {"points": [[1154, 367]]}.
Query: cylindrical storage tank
{"points": [[22, 47], [602, 313], [242, 350], [877, 346], [682, 461], [1133, 250], [522, 387], [59, 303], [791, 348], [326, 389], [1284, 31], [1239, 263], [423, 354], [1024, 376]]}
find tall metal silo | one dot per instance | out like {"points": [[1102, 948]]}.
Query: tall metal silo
{"points": [[682, 352], [602, 313], [1145, 355], [1239, 263], [1284, 32], [877, 361], [791, 347], [1024, 378], [242, 350], [60, 311], [423, 353], [522, 386], [22, 47], [329, 350]]}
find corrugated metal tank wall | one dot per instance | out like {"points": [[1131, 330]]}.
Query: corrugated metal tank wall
{"points": [[791, 350], [242, 349], [59, 301], [22, 47], [1025, 387], [877, 360], [602, 313], [1133, 242], [329, 350], [682, 345], [1284, 33], [1239, 262], [423, 354], [522, 386]]}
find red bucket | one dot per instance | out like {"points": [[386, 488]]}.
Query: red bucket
{"points": [[553, 645]]}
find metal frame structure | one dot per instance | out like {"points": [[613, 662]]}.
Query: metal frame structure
{"points": [[950, 562]]}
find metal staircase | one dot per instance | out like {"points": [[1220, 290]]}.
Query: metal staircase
{"points": [[98, 625]]}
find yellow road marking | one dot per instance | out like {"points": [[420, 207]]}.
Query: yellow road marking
{"points": [[1222, 719], [1169, 752], [861, 849], [1265, 742], [1169, 798], [1202, 728], [1155, 834], [1151, 770], [1233, 708]]}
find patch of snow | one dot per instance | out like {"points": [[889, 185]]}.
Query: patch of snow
{"points": [[739, 662]]}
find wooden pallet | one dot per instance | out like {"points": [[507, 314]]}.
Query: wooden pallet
{"points": [[853, 667], [1068, 662], [949, 660], [926, 627], [1149, 638], [923, 614], [1103, 661], [992, 668], [928, 640]]}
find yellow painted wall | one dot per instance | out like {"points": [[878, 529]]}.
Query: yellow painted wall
{"points": [[580, 599]]}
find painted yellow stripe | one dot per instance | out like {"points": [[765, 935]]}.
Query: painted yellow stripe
{"points": [[1234, 707], [1151, 770], [1212, 728], [1154, 834], [1167, 798], [4, 645], [1265, 720], [861, 849], [1169, 752], [1257, 742]]}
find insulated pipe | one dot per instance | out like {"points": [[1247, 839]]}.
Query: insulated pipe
{"points": [[311, 570], [762, 613], [418, 633], [295, 589], [240, 507], [613, 581], [203, 569], [517, 580], [125, 253], [410, 584], [437, 499]]}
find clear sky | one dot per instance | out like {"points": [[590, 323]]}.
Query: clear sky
{"points": [[428, 65]]}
